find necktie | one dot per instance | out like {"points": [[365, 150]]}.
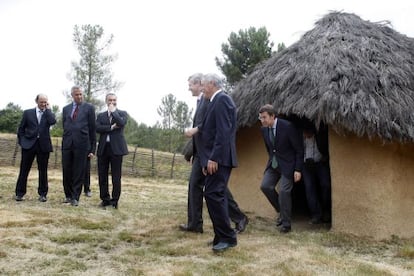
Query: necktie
{"points": [[110, 117], [39, 116], [75, 112], [272, 139]]}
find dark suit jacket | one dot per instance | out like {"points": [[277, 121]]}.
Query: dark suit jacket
{"points": [[29, 130], [81, 132], [217, 133], [288, 147], [117, 139]]}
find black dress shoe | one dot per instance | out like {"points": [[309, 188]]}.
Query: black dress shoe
{"points": [[278, 221], [241, 225], [285, 229], [74, 202], [223, 246], [105, 203], [67, 200], [184, 227], [42, 198], [115, 205], [18, 198]]}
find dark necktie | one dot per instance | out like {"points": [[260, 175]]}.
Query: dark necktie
{"points": [[75, 112], [272, 139]]}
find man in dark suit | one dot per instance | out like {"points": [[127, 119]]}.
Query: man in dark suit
{"points": [[285, 148], [316, 173], [111, 149], [197, 178], [217, 137], [34, 138], [78, 143]]}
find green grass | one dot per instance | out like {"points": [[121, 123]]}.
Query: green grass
{"points": [[142, 238]]}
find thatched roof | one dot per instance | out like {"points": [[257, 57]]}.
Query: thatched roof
{"points": [[351, 74]]}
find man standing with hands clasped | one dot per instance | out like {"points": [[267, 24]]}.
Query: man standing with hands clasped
{"points": [[285, 148], [111, 149], [34, 138]]}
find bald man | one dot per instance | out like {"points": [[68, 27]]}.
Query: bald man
{"points": [[34, 138]]}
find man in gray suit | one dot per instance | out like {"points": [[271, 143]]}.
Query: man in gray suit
{"points": [[111, 149], [34, 138], [78, 143]]}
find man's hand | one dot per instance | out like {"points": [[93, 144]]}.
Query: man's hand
{"points": [[212, 167], [191, 132], [297, 176]]}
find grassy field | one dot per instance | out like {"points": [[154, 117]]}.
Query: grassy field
{"points": [[142, 238]]}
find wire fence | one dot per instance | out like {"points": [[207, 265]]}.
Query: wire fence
{"points": [[139, 162]]}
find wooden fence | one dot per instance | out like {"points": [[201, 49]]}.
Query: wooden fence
{"points": [[139, 162]]}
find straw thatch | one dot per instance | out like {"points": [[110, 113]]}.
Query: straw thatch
{"points": [[352, 74]]}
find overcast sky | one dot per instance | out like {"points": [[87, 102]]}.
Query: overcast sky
{"points": [[159, 43]]}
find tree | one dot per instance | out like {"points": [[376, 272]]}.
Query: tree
{"points": [[57, 128], [166, 110], [182, 116], [242, 52], [10, 118], [93, 71], [176, 116]]}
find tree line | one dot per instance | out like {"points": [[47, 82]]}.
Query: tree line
{"points": [[241, 53]]}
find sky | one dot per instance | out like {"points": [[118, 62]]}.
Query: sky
{"points": [[159, 43]]}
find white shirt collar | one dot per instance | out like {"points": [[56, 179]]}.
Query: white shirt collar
{"points": [[215, 93]]}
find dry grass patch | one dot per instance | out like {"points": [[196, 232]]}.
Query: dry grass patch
{"points": [[142, 238]]}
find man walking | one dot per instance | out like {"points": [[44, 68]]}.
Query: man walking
{"points": [[217, 136], [285, 148], [197, 178]]}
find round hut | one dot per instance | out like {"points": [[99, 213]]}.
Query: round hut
{"points": [[357, 77]]}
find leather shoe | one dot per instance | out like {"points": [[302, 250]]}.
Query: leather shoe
{"points": [[74, 202], [18, 198], [223, 246], [104, 203], [278, 221], [285, 229], [184, 227], [67, 200], [241, 225], [42, 198]]}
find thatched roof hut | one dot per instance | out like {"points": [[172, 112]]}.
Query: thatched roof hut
{"points": [[358, 78], [349, 73]]}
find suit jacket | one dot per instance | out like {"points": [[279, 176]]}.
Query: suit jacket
{"points": [[288, 147], [117, 139], [198, 121], [30, 130], [217, 133], [81, 133]]}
